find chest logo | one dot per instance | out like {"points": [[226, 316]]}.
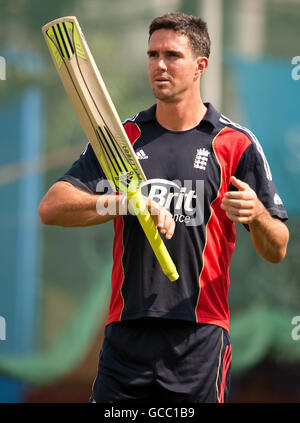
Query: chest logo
{"points": [[201, 158], [141, 155]]}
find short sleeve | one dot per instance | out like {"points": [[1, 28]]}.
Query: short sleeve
{"points": [[86, 173], [254, 169]]}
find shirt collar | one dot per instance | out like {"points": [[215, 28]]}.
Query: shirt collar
{"points": [[211, 116]]}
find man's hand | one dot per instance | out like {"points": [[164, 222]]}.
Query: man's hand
{"points": [[269, 235], [242, 206], [162, 218]]}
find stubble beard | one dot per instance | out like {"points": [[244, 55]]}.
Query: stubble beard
{"points": [[170, 95], [167, 98]]}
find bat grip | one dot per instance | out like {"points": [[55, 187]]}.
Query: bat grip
{"points": [[138, 205]]}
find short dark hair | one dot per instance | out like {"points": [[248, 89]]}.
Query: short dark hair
{"points": [[195, 29]]}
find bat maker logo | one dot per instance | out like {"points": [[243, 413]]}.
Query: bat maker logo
{"points": [[125, 177]]}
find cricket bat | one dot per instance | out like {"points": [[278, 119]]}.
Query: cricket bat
{"points": [[101, 123]]}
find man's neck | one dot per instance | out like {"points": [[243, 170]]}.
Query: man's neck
{"points": [[180, 116]]}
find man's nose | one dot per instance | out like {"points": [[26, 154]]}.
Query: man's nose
{"points": [[161, 64]]}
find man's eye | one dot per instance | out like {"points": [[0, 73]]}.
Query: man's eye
{"points": [[173, 54], [152, 54]]}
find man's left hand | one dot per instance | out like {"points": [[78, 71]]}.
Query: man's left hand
{"points": [[242, 206]]}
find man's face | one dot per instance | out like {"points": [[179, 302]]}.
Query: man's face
{"points": [[172, 67]]}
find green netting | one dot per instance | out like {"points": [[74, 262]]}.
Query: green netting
{"points": [[71, 344], [254, 334], [262, 332]]}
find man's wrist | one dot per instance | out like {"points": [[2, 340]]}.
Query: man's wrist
{"points": [[260, 216]]}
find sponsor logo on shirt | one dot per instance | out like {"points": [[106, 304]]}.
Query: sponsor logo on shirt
{"points": [[185, 200]]}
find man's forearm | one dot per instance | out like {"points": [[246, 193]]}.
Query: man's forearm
{"points": [[66, 205], [269, 236]]}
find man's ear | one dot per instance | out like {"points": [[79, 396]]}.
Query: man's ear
{"points": [[202, 64]]}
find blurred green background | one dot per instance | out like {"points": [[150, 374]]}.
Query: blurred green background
{"points": [[55, 282]]}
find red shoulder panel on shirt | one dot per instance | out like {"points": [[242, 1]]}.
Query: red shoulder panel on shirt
{"points": [[133, 131], [212, 307], [229, 146]]}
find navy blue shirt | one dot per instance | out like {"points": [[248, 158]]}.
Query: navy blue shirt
{"points": [[188, 172]]}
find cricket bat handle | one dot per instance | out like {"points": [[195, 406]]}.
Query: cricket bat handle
{"points": [[138, 205]]}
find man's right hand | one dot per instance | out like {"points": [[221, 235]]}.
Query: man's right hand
{"points": [[162, 218]]}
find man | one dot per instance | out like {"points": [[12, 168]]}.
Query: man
{"points": [[169, 341]]}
